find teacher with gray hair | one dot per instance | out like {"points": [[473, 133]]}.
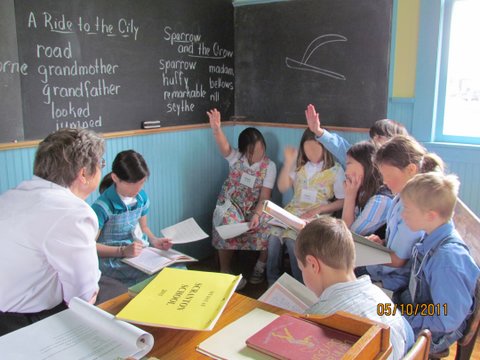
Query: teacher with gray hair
{"points": [[48, 254]]}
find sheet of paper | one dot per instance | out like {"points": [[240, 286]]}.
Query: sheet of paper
{"points": [[184, 232], [231, 230], [229, 343], [74, 334]]}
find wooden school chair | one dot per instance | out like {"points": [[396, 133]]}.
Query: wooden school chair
{"points": [[468, 226], [421, 348]]}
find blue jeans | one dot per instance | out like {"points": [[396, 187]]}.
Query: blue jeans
{"points": [[275, 259]]}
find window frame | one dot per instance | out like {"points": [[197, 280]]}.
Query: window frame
{"points": [[431, 73]]}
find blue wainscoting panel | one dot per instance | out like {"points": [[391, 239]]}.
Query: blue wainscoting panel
{"points": [[187, 172], [463, 161], [401, 110]]}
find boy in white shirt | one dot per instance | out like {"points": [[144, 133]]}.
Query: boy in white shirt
{"points": [[325, 253]]}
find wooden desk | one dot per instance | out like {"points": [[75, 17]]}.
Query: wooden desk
{"points": [[181, 344]]}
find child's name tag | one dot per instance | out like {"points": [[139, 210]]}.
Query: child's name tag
{"points": [[247, 180], [308, 196]]}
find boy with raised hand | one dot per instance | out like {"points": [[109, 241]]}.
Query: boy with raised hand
{"points": [[325, 253], [443, 277]]}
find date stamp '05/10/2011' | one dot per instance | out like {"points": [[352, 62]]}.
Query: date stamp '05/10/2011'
{"points": [[390, 309]]}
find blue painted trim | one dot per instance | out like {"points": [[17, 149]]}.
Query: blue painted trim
{"points": [[393, 46], [402, 100], [431, 19], [442, 85]]}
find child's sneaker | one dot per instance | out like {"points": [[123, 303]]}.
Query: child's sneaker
{"points": [[258, 276]]}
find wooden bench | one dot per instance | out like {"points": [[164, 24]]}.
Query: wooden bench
{"points": [[468, 226]]}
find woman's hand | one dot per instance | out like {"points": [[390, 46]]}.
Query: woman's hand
{"points": [[161, 243], [214, 118], [313, 120], [133, 250]]}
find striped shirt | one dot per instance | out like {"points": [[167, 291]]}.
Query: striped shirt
{"points": [[361, 297], [372, 216]]}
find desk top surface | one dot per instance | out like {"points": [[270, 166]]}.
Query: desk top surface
{"points": [[181, 344]]}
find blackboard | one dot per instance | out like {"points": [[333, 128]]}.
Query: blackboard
{"points": [[109, 65], [331, 53]]}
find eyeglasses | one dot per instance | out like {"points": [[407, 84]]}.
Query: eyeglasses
{"points": [[102, 163]]}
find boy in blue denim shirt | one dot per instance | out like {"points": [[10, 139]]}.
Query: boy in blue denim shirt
{"points": [[442, 281]]}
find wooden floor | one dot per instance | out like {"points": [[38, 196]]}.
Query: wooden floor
{"points": [[475, 354]]}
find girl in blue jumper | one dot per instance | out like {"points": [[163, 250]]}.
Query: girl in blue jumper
{"points": [[122, 217], [399, 160]]}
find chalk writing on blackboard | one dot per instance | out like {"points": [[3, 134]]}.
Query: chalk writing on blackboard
{"points": [[179, 90], [311, 48]]}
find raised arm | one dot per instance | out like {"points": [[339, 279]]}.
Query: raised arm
{"points": [[220, 138], [284, 181], [313, 120]]}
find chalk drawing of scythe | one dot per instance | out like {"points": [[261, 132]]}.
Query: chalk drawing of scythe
{"points": [[311, 48]]}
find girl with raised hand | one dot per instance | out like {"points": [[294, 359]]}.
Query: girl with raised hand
{"points": [[249, 183], [317, 182]]}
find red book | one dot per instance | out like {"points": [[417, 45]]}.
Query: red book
{"points": [[288, 337]]}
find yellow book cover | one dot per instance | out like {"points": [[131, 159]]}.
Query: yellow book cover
{"points": [[182, 299]]}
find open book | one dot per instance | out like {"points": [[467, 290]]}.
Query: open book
{"points": [[81, 332], [181, 299], [184, 232], [370, 253], [283, 216], [151, 260], [289, 294]]}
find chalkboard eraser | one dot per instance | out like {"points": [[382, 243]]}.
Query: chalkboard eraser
{"points": [[151, 124], [238, 118]]}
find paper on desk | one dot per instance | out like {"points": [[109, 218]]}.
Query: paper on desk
{"points": [[229, 343], [231, 230], [184, 232]]}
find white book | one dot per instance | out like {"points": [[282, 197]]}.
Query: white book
{"points": [[229, 343], [184, 232], [231, 230], [152, 260], [82, 332], [289, 294], [368, 252], [283, 216]]}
